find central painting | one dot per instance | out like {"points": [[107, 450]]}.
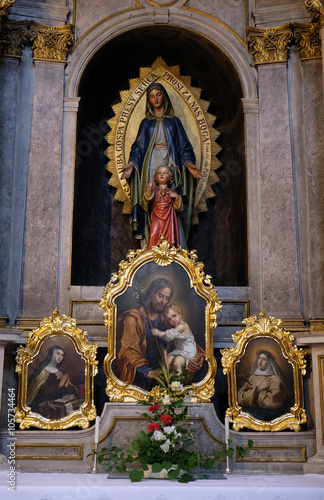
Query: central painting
{"points": [[159, 309]]}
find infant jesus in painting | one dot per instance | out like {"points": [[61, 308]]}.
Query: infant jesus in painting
{"points": [[165, 201], [185, 345]]}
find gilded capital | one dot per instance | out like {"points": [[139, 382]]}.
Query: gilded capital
{"points": [[13, 36], [316, 7], [51, 42], [308, 40], [5, 4], [270, 44]]}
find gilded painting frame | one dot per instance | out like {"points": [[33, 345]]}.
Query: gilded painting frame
{"points": [[191, 286], [278, 403], [56, 345]]}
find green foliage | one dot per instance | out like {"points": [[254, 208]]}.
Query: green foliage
{"points": [[168, 440]]}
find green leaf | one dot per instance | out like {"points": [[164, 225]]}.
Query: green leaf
{"points": [[186, 478], [136, 475], [157, 467], [173, 473]]}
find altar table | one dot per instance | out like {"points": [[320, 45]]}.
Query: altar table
{"points": [[55, 486]]}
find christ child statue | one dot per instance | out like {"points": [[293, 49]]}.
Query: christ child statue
{"points": [[164, 203]]}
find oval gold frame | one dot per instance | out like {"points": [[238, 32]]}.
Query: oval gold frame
{"points": [[60, 326], [264, 328], [163, 255]]}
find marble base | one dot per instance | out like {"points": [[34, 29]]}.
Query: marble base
{"points": [[315, 465]]}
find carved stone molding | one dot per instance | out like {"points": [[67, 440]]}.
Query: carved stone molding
{"points": [[316, 7], [51, 43], [308, 40], [269, 45]]}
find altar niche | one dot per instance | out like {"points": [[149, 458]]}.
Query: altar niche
{"points": [[101, 232]]}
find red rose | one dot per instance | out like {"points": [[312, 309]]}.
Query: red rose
{"points": [[166, 419], [153, 427], [154, 407]]}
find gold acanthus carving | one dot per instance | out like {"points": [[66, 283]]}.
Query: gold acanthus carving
{"points": [[316, 7], [51, 42], [308, 40], [48, 42], [5, 4], [269, 45], [13, 37], [273, 44]]}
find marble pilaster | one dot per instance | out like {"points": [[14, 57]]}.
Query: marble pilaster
{"points": [[8, 84], [314, 125], [251, 115], [279, 251], [44, 191], [298, 141]]}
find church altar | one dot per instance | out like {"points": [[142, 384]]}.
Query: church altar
{"points": [[38, 486]]}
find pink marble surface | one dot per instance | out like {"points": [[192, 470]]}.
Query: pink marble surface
{"points": [[90, 12], [314, 125], [43, 198], [279, 251], [231, 12]]}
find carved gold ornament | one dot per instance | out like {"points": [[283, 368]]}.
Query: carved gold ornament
{"points": [[192, 289], [188, 106], [308, 40], [13, 37], [316, 7], [4, 5], [51, 43], [258, 335], [78, 411], [269, 45]]}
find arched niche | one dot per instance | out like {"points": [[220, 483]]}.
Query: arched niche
{"points": [[219, 64]]}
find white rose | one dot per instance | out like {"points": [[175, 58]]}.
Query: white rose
{"points": [[165, 447], [176, 386], [166, 400], [168, 429], [158, 436]]}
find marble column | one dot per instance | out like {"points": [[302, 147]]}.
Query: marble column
{"points": [[299, 163], [252, 135], [19, 183], [71, 105], [44, 191], [279, 250]]}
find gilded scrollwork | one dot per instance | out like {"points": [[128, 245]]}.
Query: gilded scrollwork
{"points": [[269, 45], [308, 40], [316, 7], [267, 397], [13, 37], [48, 42], [51, 42], [273, 44], [4, 5], [192, 289], [73, 403]]}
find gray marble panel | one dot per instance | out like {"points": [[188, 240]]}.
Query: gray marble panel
{"points": [[314, 118], [44, 192], [279, 250], [8, 85]]}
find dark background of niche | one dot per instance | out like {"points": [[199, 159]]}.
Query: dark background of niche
{"points": [[101, 233]]}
